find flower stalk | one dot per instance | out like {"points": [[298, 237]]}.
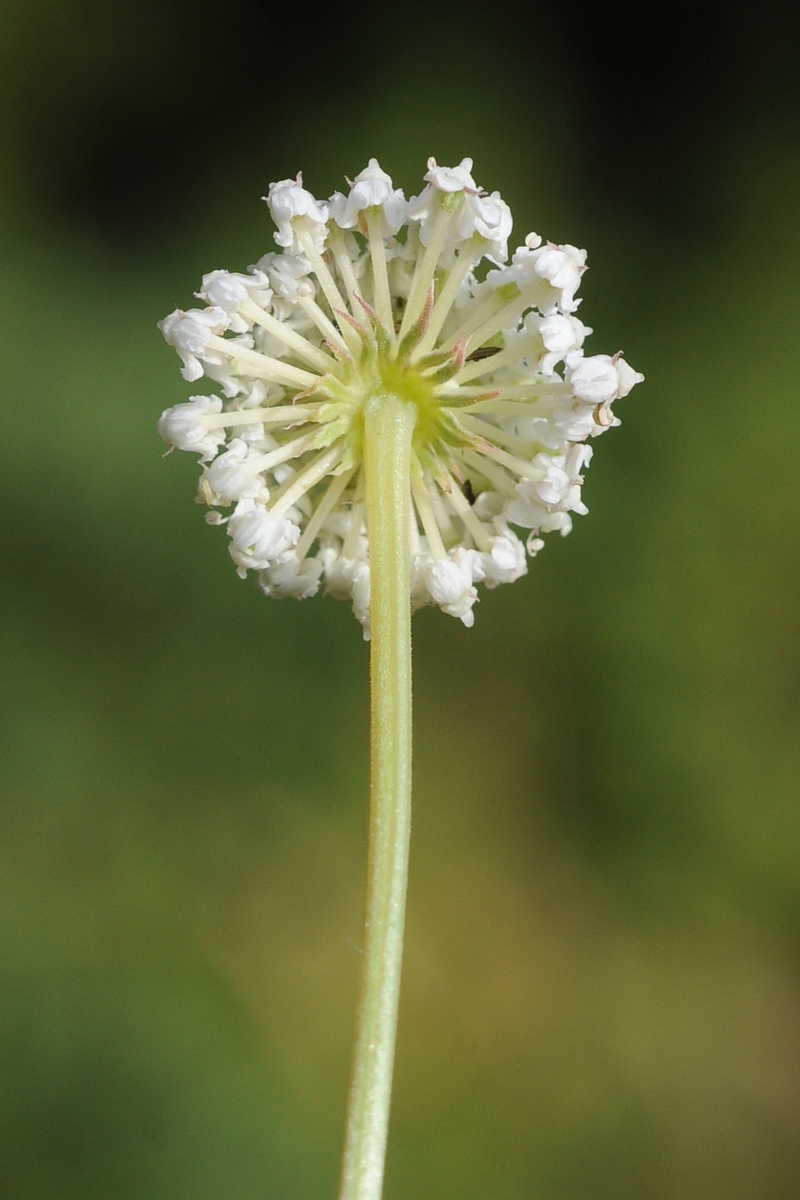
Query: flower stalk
{"points": [[388, 428]]}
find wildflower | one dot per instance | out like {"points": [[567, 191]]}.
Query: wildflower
{"points": [[371, 294]]}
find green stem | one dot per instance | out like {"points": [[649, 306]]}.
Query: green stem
{"points": [[388, 428]]}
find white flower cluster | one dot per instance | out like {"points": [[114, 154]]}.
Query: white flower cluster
{"points": [[369, 292]]}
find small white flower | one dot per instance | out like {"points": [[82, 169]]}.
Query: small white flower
{"points": [[555, 487], [291, 579], [594, 379], [348, 578], [521, 274], [562, 267], [288, 275], [491, 219], [527, 509], [227, 479], [505, 562], [445, 182], [228, 291], [451, 179], [371, 188], [369, 291], [600, 379], [258, 538], [560, 335], [574, 420], [190, 333], [449, 582], [182, 426], [288, 200]]}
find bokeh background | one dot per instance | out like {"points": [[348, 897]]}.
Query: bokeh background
{"points": [[602, 985]]}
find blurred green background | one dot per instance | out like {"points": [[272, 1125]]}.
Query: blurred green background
{"points": [[602, 985]]}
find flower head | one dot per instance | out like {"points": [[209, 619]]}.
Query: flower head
{"points": [[371, 294]]}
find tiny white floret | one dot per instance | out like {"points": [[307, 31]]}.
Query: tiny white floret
{"points": [[190, 333], [182, 426], [372, 188], [227, 479], [289, 201]]}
